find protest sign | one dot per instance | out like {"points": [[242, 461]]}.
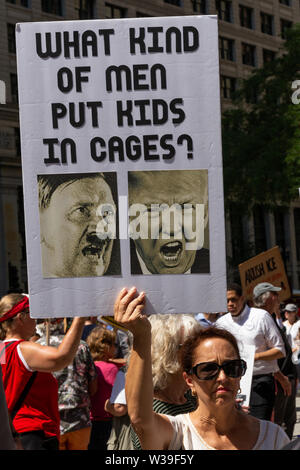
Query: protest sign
{"points": [[247, 352], [265, 267], [122, 165]]}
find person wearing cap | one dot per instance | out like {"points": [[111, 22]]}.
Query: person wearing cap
{"points": [[25, 362], [291, 312], [291, 316], [265, 295], [254, 326], [292, 322], [207, 319]]}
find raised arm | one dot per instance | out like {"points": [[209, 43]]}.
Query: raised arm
{"points": [[50, 359], [154, 431]]}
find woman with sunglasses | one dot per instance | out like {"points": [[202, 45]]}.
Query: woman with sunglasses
{"points": [[37, 419], [212, 370]]}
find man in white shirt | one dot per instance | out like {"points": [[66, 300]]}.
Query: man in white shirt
{"points": [[291, 316], [292, 322], [256, 327], [265, 295]]}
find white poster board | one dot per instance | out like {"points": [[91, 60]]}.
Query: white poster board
{"points": [[247, 352], [120, 128]]}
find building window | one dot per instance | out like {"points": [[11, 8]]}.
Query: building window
{"points": [[23, 3], [114, 12], [297, 230], [21, 220], [224, 10], [52, 6], [228, 87], [177, 3], [268, 56], [17, 141], [259, 229], [237, 235], [284, 26], [85, 9], [226, 48], [266, 22], [279, 221], [285, 2], [246, 17], [248, 54], [140, 14], [14, 87], [11, 38], [199, 6]]}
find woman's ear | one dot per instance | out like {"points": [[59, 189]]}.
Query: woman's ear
{"points": [[189, 381]]}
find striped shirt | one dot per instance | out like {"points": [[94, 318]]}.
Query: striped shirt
{"points": [[162, 407]]}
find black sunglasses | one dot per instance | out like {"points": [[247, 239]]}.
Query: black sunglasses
{"points": [[209, 370]]}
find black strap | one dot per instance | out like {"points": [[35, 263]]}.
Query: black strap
{"points": [[26, 388], [285, 362], [23, 395]]}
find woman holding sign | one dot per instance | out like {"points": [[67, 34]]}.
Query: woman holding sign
{"points": [[31, 390], [212, 370]]}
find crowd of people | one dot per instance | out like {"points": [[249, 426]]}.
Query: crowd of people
{"points": [[158, 382]]}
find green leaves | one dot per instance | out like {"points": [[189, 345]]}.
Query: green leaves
{"points": [[261, 134]]}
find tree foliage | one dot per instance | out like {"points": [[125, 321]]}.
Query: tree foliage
{"points": [[261, 134]]}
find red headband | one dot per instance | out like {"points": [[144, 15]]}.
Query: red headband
{"points": [[19, 307]]}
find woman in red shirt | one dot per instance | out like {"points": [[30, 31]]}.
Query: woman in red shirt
{"points": [[37, 421]]}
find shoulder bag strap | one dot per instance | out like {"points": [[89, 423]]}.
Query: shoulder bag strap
{"points": [[23, 395], [26, 388]]}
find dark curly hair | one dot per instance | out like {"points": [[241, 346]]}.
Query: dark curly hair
{"points": [[189, 346]]}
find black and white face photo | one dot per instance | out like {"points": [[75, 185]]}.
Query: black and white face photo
{"points": [[168, 218], [77, 223]]}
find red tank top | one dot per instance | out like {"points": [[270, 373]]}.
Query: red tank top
{"points": [[39, 411]]}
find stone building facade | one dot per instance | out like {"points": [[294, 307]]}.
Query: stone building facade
{"points": [[251, 32]]}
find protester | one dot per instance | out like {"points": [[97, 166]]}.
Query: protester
{"points": [[170, 392], [255, 326], [101, 342], [37, 420], [76, 384], [120, 438], [212, 370], [89, 324], [293, 326], [265, 296], [116, 404], [122, 346], [207, 319]]}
